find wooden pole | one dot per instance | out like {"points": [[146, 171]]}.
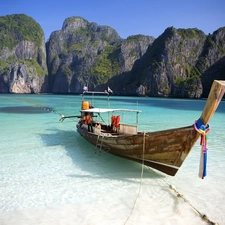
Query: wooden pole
{"points": [[214, 98]]}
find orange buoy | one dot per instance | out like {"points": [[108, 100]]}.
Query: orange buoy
{"points": [[85, 105]]}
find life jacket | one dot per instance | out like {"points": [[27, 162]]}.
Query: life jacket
{"points": [[87, 119], [115, 121]]}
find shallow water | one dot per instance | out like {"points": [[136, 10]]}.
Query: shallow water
{"points": [[50, 175]]}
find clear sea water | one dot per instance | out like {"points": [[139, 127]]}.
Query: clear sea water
{"points": [[49, 175]]}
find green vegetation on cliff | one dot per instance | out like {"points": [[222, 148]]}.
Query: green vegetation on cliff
{"points": [[17, 27], [107, 64], [133, 38], [189, 33], [32, 65]]}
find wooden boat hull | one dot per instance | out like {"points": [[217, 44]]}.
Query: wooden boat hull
{"points": [[163, 150], [167, 157]]}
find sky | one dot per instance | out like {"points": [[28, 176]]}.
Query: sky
{"points": [[127, 17]]}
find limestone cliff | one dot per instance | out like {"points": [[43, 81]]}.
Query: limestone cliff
{"points": [[87, 54], [23, 66], [179, 63], [170, 65]]}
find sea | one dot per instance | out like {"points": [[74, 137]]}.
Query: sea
{"points": [[50, 175]]}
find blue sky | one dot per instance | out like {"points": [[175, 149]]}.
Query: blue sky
{"points": [[127, 17]]}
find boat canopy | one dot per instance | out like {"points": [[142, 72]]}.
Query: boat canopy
{"points": [[104, 110], [96, 92]]}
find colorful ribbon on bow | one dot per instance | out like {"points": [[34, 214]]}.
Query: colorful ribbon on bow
{"points": [[203, 130]]}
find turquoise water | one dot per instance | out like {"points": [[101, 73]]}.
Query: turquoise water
{"points": [[50, 175]]}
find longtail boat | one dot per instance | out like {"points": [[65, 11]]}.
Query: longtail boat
{"points": [[163, 150]]}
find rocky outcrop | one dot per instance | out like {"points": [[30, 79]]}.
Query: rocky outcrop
{"points": [[75, 53], [84, 53], [211, 64], [132, 49], [171, 65], [23, 79], [179, 63], [23, 67], [176, 64]]}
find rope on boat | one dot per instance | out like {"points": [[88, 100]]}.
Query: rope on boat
{"points": [[179, 195], [142, 172], [172, 187]]}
